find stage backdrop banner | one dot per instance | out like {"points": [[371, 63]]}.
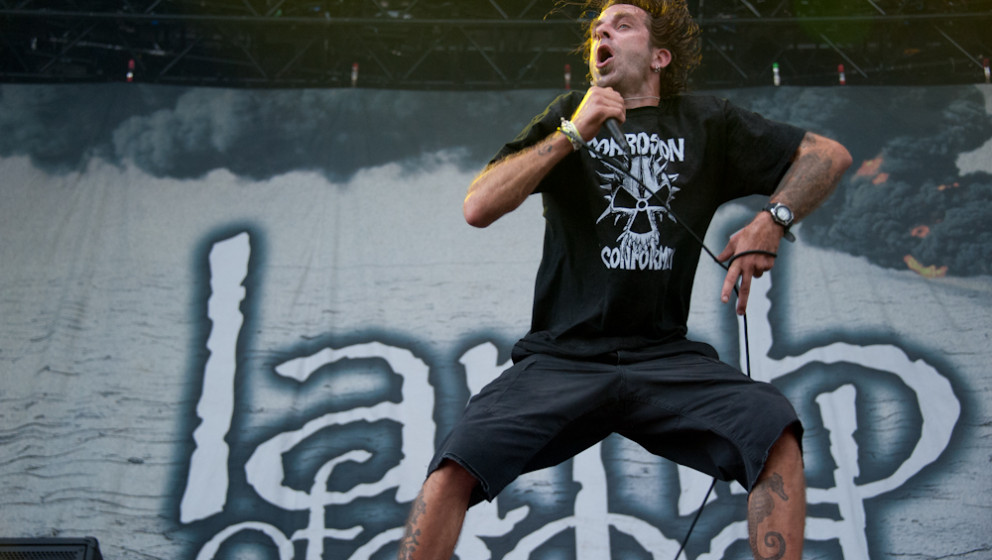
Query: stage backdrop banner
{"points": [[235, 324]]}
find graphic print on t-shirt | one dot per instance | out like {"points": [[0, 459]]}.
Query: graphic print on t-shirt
{"points": [[638, 204]]}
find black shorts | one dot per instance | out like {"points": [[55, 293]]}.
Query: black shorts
{"points": [[689, 408]]}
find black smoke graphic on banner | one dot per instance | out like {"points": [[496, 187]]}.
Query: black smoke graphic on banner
{"points": [[908, 205], [186, 133]]}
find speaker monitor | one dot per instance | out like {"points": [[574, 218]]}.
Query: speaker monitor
{"points": [[85, 548]]}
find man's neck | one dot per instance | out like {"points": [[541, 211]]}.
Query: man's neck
{"points": [[641, 100], [646, 95]]}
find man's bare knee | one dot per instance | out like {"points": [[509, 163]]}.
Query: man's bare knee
{"points": [[437, 514], [785, 454], [452, 477]]}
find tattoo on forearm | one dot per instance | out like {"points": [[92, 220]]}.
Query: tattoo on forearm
{"points": [[762, 502], [411, 536], [809, 180]]}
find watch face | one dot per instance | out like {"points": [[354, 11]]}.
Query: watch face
{"points": [[783, 214]]}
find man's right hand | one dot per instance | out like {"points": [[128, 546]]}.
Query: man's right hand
{"points": [[598, 105]]}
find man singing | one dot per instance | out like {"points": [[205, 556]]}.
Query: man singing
{"points": [[607, 350]]}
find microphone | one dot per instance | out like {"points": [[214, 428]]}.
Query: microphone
{"points": [[613, 127]]}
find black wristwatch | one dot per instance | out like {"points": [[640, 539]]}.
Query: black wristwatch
{"points": [[783, 216]]}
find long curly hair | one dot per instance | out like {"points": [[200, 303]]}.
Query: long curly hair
{"points": [[672, 28]]}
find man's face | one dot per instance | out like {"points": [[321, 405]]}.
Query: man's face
{"points": [[621, 54]]}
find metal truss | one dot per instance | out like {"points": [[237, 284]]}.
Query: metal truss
{"points": [[476, 44]]}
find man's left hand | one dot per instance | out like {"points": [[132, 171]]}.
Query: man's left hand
{"points": [[762, 234]]}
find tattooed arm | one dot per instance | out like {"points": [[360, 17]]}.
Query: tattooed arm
{"points": [[816, 169], [505, 184]]}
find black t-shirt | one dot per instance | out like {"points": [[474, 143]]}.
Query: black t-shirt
{"points": [[617, 269]]}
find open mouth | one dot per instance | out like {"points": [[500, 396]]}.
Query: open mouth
{"points": [[604, 54]]}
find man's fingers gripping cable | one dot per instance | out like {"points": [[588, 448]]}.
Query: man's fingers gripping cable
{"points": [[745, 253], [737, 283]]}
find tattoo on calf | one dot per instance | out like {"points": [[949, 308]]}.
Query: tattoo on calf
{"points": [[762, 502], [411, 536]]}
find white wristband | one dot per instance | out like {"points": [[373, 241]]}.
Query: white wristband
{"points": [[572, 133]]}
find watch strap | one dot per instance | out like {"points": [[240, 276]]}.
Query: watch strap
{"points": [[770, 208]]}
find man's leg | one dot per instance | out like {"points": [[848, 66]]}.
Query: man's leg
{"points": [[777, 504], [437, 514]]}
